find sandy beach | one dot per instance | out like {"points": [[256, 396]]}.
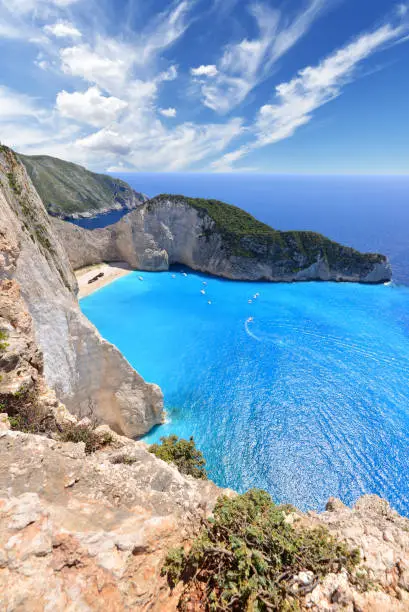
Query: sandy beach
{"points": [[110, 271]]}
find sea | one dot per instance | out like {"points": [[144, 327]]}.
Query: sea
{"points": [[300, 389]]}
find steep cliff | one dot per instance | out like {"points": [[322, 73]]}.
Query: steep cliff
{"points": [[69, 190], [219, 239], [79, 365]]}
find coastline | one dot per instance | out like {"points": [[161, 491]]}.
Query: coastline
{"points": [[111, 272]]}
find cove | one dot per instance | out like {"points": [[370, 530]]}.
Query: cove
{"points": [[302, 392]]}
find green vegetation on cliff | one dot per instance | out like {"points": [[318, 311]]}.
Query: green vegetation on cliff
{"points": [[183, 454], [69, 189], [245, 236], [249, 557]]}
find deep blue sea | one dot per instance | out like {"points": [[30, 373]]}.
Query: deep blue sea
{"points": [[304, 391]]}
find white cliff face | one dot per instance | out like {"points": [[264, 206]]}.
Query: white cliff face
{"points": [[79, 365], [166, 231]]}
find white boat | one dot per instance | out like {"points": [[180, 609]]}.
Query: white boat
{"points": [[250, 301], [204, 283], [250, 319], [184, 274], [173, 275], [203, 292], [140, 278], [209, 302]]}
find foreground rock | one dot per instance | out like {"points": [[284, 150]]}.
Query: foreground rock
{"points": [[218, 239], [80, 366], [90, 532], [86, 532]]}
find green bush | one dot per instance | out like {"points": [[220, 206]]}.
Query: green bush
{"points": [[86, 434], [24, 412], [3, 338], [183, 453], [247, 555]]}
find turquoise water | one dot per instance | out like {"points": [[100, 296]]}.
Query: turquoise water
{"points": [[307, 400]]}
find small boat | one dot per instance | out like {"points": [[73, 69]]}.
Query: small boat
{"points": [[203, 292], [140, 278], [204, 283], [184, 274], [173, 275], [249, 301], [209, 302], [250, 319], [255, 296]]}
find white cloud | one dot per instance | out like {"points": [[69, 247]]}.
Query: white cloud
{"points": [[313, 87], [107, 140], [13, 104], [210, 70], [402, 10], [168, 112], [22, 7], [245, 64], [90, 107], [107, 65], [63, 29]]}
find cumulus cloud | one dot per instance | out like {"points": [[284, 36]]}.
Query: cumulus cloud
{"points": [[209, 71], [90, 107], [63, 29], [314, 86], [245, 64], [168, 112]]}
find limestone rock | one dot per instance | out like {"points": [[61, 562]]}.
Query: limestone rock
{"points": [[168, 230], [80, 366]]}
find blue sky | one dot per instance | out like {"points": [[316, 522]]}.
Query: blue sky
{"points": [[312, 86]]}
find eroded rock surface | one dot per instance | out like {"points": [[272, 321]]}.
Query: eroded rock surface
{"points": [[82, 532], [171, 230], [79, 364]]}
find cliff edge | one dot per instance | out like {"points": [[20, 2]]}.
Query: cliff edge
{"points": [[219, 239], [79, 364]]}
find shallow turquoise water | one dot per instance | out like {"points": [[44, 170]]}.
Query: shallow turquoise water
{"points": [[307, 400]]}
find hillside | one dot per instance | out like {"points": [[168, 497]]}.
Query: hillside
{"points": [[69, 190]]}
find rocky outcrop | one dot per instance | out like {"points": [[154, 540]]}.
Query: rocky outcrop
{"points": [[71, 191], [90, 532], [218, 239], [79, 365]]}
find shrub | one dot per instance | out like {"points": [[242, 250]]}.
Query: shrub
{"points": [[126, 459], [25, 414], [3, 338], [86, 434], [183, 453], [247, 556]]}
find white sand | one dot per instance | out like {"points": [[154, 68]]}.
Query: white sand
{"points": [[111, 272]]}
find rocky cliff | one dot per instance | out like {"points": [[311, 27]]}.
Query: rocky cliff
{"points": [[219, 239], [71, 191], [79, 365]]}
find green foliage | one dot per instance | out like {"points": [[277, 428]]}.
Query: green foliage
{"points": [[125, 459], [3, 340], [67, 188], [247, 555], [24, 412], [183, 453], [245, 236], [13, 183], [86, 434]]}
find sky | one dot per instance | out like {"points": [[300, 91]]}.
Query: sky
{"points": [[281, 86]]}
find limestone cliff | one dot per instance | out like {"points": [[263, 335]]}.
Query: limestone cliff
{"points": [[79, 365], [218, 239]]}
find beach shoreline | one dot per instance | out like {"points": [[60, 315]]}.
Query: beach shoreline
{"points": [[110, 271]]}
